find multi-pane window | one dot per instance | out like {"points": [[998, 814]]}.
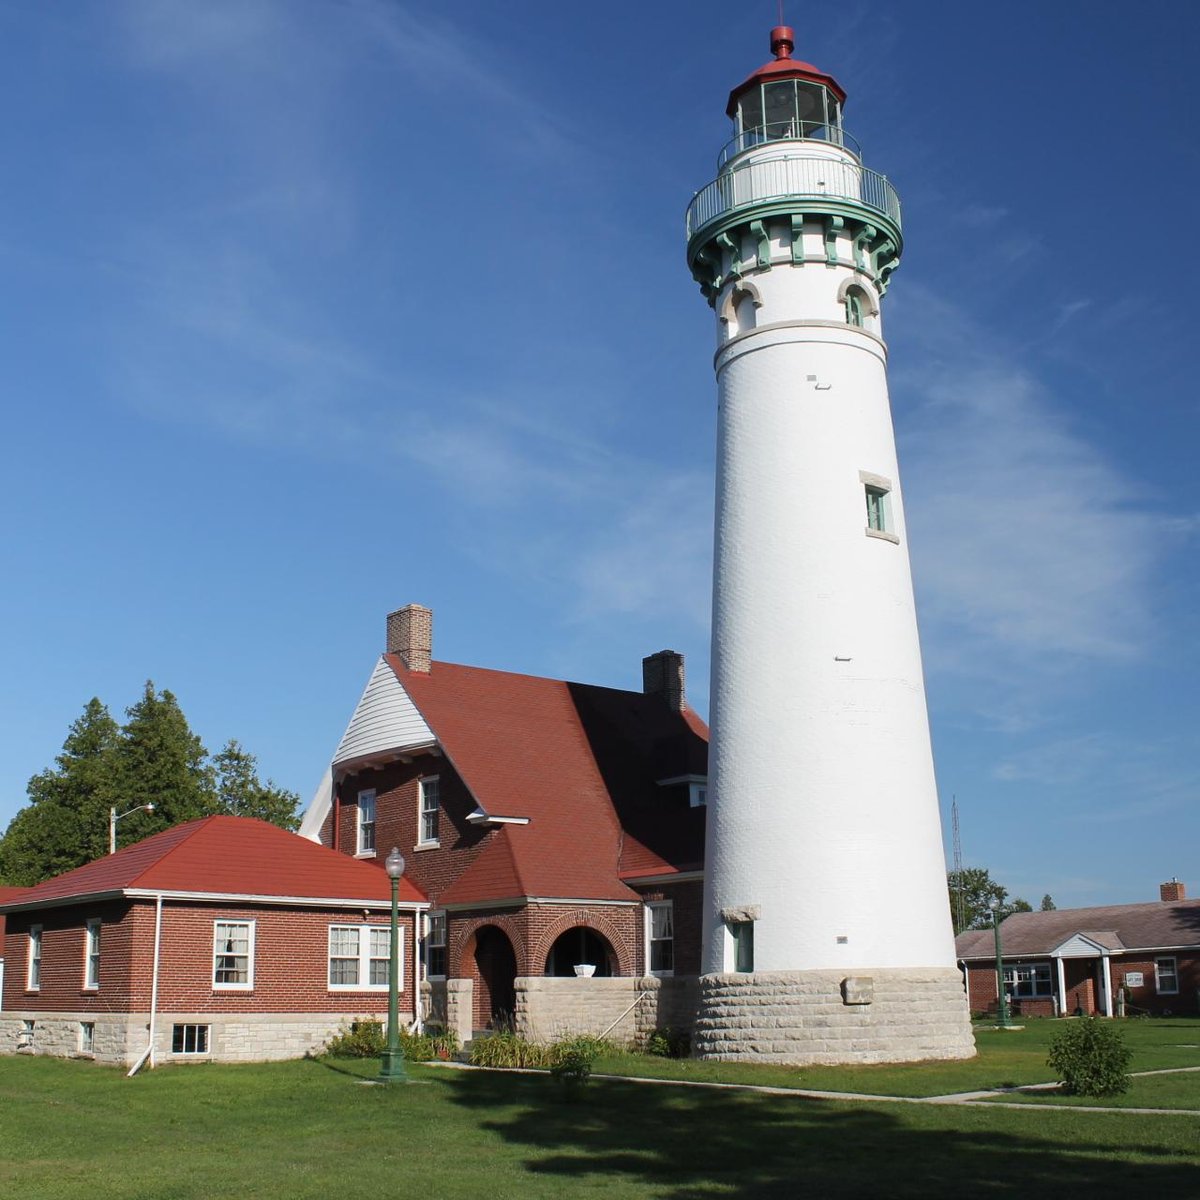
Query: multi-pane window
{"points": [[87, 1037], [435, 946], [1025, 981], [1166, 976], [359, 957], [189, 1039], [91, 961], [430, 804], [233, 954], [33, 978], [854, 307], [742, 934], [660, 937], [366, 821]]}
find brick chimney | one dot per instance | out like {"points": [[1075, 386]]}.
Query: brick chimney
{"points": [[662, 675], [1171, 891], [410, 635]]}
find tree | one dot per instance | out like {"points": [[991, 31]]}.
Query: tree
{"points": [[241, 794], [1048, 904], [160, 761], [154, 758], [65, 822], [972, 894]]}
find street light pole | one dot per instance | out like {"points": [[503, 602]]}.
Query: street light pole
{"points": [[391, 1065], [1002, 1013], [113, 818]]}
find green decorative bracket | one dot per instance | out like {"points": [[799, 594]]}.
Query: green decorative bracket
{"points": [[726, 242], [833, 226], [758, 231], [798, 238], [868, 233]]}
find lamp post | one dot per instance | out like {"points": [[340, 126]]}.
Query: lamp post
{"points": [[113, 818], [391, 1065], [1002, 1012]]}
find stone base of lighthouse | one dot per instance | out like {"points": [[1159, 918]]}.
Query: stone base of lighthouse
{"points": [[807, 1017]]}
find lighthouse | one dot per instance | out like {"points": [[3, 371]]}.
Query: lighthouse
{"points": [[827, 934]]}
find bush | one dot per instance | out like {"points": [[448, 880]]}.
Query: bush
{"points": [[363, 1039], [508, 1050], [590, 1046], [669, 1043], [1091, 1058]]}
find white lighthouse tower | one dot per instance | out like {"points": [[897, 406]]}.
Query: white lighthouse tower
{"points": [[827, 934]]}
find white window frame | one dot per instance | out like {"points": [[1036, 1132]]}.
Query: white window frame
{"points": [[440, 918], [363, 958], [653, 906], [218, 954], [698, 793], [880, 487], [362, 826], [1173, 974], [431, 785], [91, 955], [33, 962], [87, 1037], [196, 1027], [734, 932], [1021, 980]]}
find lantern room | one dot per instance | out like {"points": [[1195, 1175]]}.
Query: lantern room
{"points": [[785, 99]]}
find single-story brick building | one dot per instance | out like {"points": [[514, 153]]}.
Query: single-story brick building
{"points": [[1145, 957], [224, 938]]}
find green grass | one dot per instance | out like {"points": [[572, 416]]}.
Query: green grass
{"points": [[1007, 1058], [310, 1131]]}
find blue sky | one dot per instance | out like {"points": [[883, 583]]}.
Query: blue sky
{"points": [[315, 308]]}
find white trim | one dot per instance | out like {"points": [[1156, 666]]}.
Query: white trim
{"points": [[90, 983], [677, 877], [650, 907], [423, 842], [360, 846], [34, 936], [681, 779], [428, 945], [1159, 990], [480, 817], [249, 924], [364, 956]]}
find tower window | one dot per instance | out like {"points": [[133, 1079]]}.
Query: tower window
{"points": [[742, 935], [878, 494], [366, 821], [855, 307]]}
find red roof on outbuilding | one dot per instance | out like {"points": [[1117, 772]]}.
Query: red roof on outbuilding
{"points": [[581, 762], [223, 855]]}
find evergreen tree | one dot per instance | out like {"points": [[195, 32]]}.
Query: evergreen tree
{"points": [[241, 794], [65, 823], [160, 761], [1048, 904], [979, 893]]}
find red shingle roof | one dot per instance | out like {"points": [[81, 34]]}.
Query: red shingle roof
{"points": [[225, 856], [580, 762]]}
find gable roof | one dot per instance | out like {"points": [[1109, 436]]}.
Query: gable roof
{"points": [[1117, 927], [222, 856]]}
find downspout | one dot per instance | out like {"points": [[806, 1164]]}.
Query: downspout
{"points": [[148, 1053]]}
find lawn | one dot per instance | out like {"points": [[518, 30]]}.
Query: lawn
{"points": [[1007, 1058], [307, 1130]]}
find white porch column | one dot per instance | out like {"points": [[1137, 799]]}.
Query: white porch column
{"points": [[1062, 986], [1106, 983]]}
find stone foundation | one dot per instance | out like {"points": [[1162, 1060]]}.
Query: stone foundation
{"points": [[625, 1009], [809, 1017], [121, 1038]]}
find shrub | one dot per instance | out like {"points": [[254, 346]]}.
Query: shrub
{"points": [[669, 1043], [587, 1044], [508, 1050], [572, 1067], [1091, 1058], [363, 1039]]}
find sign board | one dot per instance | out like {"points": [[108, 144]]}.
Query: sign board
{"points": [[1134, 979]]}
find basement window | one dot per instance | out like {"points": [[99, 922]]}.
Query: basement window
{"points": [[189, 1039], [87, 1037]]}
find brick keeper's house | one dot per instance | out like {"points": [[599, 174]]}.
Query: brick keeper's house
{"points": [[224, 938]]}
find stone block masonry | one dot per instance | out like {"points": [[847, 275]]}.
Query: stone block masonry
{"points": [[802, 1017]]}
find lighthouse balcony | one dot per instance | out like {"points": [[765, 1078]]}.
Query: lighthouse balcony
{"points": [[780, 174], [790, 130]]}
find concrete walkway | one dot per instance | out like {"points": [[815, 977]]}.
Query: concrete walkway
{"points": [[965, 1099]]}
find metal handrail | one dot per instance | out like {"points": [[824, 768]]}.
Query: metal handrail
{"points": [[802, 175], [779, 131]]}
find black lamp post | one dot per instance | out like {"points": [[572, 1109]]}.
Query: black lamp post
{"points": [[391, 1065], [1002, 1008]]}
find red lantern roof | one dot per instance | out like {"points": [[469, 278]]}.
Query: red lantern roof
{"points": [[784, 66]]}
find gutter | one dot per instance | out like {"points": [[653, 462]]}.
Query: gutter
{"points": [[148, 1053]]}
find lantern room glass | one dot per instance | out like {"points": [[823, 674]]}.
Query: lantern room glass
{"points": [[787, 109]]}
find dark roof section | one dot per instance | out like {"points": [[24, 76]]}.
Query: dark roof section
{"points": [[581, 763], [223, 855], [1118, 927]]}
